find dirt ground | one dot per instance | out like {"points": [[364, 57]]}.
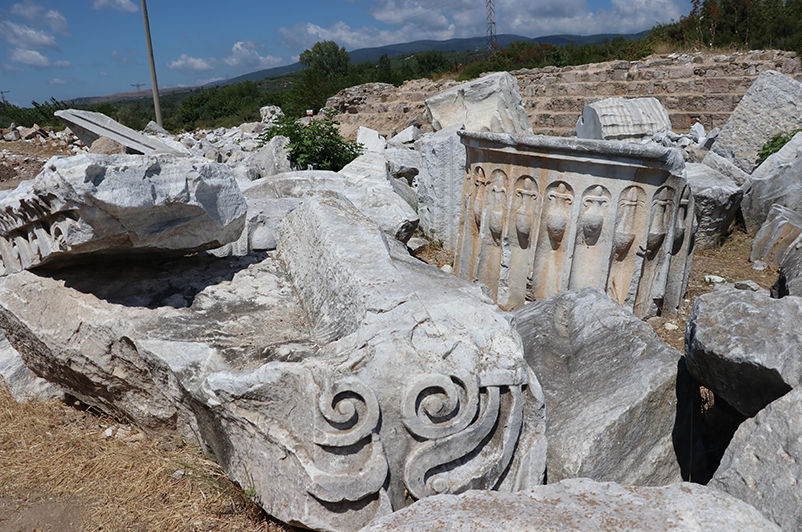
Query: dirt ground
{"points": [[67, 469]]}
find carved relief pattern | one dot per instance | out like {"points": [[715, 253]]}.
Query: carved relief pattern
{"points": [[659, 226], [30, 231], [493, 217], [550, 253], [348, 421], [588, 249], [620, 233], [522, 230], [468, 432], [629, 219]]}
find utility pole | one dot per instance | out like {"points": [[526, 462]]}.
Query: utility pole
{"points": [[137, 85], [491, 26], [2, 96], [154, 83]]}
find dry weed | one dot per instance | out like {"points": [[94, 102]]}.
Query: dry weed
{"points": [[50, 450]]}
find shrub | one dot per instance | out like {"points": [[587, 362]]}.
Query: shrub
{"points": [[317, 144], [774, 144]]}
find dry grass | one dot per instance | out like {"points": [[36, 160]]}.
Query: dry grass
{"points": [[49, 451], [663, 48]]}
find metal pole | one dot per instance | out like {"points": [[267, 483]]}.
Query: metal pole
{"points": [[153, 81]]}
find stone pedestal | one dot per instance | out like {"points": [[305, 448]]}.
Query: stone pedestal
{"points": [[542, 215]]}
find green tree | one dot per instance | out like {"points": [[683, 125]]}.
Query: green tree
{"points": [[326, 58], [432, 62]]}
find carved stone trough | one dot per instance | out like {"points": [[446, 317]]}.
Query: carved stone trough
{"points": [[542, 215]]}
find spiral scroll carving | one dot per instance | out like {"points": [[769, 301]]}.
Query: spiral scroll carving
{"points": [[351, 411], [349, 416], [473, 428]]}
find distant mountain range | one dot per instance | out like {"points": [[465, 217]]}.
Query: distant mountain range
{"points": [[372, 54], [471, 44]]}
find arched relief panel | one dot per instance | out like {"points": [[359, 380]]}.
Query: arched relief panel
{"points": [[521, 235], [471, 218], [661, 211], [558, 200], [493, 219], [681, 252], [629, 228], [591, 245]]}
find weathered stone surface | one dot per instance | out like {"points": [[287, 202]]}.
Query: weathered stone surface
{"points": [[789, 281], [773, 104], [262, 226], [745, 347], [405, 138], [725, 167], [119, 204], [403, 163], [370, 139], [365, 182], [777, 181], [779, 234], [492, 103], [271, 159], [89, 126], [467, 414], [137, 338], [580, 505], [106, 146], [627, 120], [763, 463], [716, 201], [542, 215], [269, 114], [440, 185], [22, 383], [609, 383]]}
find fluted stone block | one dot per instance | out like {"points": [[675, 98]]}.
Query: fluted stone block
{"points": [[541, 215], [628, 120], [119, 204], [491, 103]]}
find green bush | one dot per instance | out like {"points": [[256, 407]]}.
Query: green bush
{"points": [[774, 144], [317, 144]]}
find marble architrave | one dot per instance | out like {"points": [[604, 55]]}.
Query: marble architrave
{"points": [[542, 215]]}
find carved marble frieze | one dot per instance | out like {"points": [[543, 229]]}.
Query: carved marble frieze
{"points": [[118, 204], [542, 215], [421, 389]]}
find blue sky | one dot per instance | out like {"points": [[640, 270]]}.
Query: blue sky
{"points": [[69, 49]]}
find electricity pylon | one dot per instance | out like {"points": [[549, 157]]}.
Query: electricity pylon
{"points": [[491, 26]]}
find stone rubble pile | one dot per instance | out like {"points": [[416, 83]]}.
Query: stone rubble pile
{"points": [[203, 288]]}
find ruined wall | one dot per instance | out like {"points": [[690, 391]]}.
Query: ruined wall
{"points": [[694, 87]]}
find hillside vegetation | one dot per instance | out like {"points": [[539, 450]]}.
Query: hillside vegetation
{"points": [[732, 24]]}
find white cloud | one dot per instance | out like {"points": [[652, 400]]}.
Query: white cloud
{"points": [[36, 15], [57, 81], [26, 37], [34, 58], [244, 55], [190, 64], [410, 20], [124, 6], [105, 74]]}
